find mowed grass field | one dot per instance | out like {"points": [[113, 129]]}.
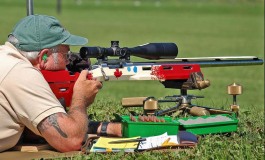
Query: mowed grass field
{"points": [[200, 29]]}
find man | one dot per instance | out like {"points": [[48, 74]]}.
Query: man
{"points": [[39, 42]]}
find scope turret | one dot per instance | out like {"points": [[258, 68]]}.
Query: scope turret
{"points": [[152, 51]]}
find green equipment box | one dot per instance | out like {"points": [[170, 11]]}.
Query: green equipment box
{"points": [[147, 129], [213, 124]]}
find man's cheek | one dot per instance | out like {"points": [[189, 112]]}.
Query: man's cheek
{"points": [[60, 66]]}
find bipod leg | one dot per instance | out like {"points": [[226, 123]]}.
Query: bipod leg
{"points": [[216, 111], [168, 111]]}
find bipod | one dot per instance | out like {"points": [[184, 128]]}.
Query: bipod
{"points": [[184, 106], [184, 103]]}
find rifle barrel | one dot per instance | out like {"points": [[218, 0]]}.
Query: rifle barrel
{"points": [[212, 61]]}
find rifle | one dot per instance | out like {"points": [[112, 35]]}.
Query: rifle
{"points": [[161, 65]]}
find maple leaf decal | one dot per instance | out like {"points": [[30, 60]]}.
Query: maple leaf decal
{"points": [[117, 73]]}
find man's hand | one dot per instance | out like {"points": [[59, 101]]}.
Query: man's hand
{"points": [[85, 90]]}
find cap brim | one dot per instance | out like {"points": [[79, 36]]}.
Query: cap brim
{"points": [[74, 40]]}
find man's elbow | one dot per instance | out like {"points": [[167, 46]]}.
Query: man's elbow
{"points": [[73, 144]]}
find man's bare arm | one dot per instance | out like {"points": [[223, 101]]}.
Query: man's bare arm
{"points": [[66, 132]]}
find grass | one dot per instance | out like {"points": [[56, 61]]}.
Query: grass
{"points": [[199, 28]]}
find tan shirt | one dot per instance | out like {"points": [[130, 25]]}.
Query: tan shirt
{"points": [[25, 97]]}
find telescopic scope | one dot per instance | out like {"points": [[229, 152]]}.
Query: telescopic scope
{"points": [[151, 51]]}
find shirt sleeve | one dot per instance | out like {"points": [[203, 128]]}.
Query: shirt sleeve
{"points": [[30, 95]]}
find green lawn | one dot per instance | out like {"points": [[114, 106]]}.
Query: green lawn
{"points": [[199, 28]]}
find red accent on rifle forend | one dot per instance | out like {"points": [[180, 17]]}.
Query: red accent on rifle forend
{"points": [[174, 71]]}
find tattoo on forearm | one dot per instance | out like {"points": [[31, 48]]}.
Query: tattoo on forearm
{"points": [[52, 121]]}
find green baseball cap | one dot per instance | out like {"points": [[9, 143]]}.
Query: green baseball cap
{"points": [[36, 32]]}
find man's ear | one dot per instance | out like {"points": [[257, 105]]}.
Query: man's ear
{"points": [[42, 58], [43, 55]]}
